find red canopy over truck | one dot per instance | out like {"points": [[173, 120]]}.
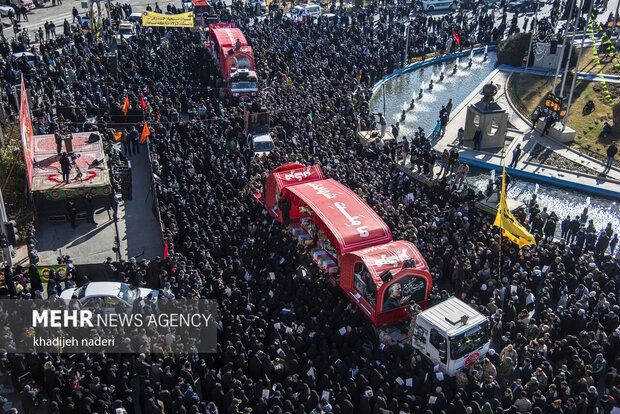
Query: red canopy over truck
{"points": [[283, 176], [234, 58], [350, 242]]}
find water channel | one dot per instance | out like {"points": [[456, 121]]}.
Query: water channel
{"points": [[458, 85]]}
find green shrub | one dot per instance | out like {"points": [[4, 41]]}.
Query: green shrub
{"points": [[616, 113], [512, 50]]}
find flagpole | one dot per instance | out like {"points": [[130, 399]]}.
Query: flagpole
{"points": [[570, 51], [501, 230], [565, 35], [572, 88], [535, 28]]}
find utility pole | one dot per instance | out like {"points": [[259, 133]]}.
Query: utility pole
{"points": [[572, 88], [565, 35]]}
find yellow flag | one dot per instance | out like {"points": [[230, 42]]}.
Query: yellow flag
{"points": [[118, 136], [506, 221]]}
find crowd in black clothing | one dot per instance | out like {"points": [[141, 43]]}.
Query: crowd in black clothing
{"points": [[279, 343]]}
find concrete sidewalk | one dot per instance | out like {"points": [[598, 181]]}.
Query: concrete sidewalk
{"points": [[608, 186], [594, 77], [138, 227]]}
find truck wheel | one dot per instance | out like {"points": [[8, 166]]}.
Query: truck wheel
{"points": [[431, 8]]}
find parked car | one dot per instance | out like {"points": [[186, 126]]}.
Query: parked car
{"points": [[23, 3], [30, 58], [432, 5], [5, 9], [111, 293]]}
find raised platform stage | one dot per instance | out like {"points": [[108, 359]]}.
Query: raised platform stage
{"points": [[47, 176]]}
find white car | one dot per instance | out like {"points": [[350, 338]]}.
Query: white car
{"points": [[126, 30], [262, 144], [432, 5], [112, 294], [30, 58], [5, 9]]}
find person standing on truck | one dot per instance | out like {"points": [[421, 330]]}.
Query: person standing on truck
{"points": [[383, 124]]}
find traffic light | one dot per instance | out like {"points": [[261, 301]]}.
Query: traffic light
{"points": [[3, 243], [11, 232]]}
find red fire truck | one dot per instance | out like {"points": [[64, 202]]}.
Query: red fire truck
{"points": [[234, 58], [350, 242]]}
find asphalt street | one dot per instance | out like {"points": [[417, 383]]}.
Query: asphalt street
{"points": [[37, 17]]}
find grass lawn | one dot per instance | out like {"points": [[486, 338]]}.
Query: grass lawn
{"points": [[527, 91], [588, 62]]}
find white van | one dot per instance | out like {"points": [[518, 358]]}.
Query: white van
{"points": [[28, 4], [136, 18], [126, 30], [452, 335], [432, 5], [301, 12]]}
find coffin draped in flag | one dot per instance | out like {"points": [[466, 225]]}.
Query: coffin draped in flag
{"points": [[348, 222]]}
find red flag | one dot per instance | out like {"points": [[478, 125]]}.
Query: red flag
{"points": [[126, 105], [456, 37], [142, 103], [145, 133], [166, 252]]}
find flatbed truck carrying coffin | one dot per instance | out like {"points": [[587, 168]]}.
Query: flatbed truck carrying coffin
{"points": [[234, 59], [350, 242]]}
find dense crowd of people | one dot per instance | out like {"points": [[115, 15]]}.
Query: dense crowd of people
{"points": [[553, 307]]}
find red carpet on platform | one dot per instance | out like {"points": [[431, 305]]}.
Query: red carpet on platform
{"points": [[47, 175]]}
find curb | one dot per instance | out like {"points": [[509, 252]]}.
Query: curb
{"points": [[424, 63], [566, 147]]}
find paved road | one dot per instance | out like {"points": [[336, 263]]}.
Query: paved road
{"points": [[59, 13]]}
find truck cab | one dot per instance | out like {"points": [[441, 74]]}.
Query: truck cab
{"points": [[243, 81], [452, 335]]}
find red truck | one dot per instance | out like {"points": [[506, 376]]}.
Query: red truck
{"points": [[234, 58], [350, 242]]}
